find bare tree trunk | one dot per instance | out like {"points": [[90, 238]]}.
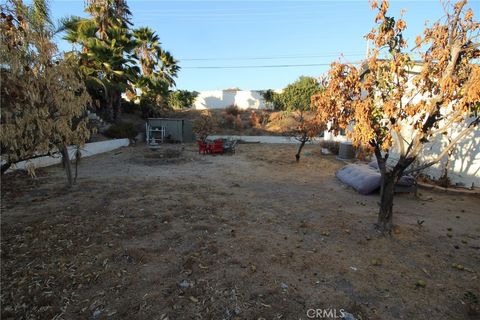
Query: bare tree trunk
{"points": [[78, 155], [303, 140], [66, 164], [386, 202], [444, 180], [5, 167]]}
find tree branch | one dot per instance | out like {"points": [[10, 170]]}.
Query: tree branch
{"points": [[455, 22], [452, 118], [399, 139], [380, 160], [445, 151]]}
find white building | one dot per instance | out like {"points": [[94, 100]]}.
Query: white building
{"points": [[220, 99]]}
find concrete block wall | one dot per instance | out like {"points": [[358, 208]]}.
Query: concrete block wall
{"points": [[89, 149]]}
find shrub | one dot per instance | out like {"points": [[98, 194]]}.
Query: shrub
{"points": [[264, 118], [232, 110], [153, 109], [228, 120], [254, 120], [238, 122], [444, 181], [128, 106], [121, 130], [276, 116], [332, 146], [205, 125]]}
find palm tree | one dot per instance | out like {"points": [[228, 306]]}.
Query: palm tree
{"points": [[38, 15], [154, 61], [158, 68], [147, 44], [169, 67], [108, 14], [113, 58], [106, 51]]}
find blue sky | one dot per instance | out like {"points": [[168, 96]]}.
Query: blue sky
{"points": [[261, 33]]}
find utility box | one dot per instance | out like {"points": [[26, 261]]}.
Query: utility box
{"points": [[346, 151], [170, 130]]}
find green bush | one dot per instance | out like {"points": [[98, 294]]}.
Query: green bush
{"points": [[152, 109], [128, 106], [121, 130]]}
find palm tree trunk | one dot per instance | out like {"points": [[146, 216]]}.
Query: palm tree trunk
{"points": [[116, 104]]}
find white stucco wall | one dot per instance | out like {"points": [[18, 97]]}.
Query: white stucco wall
{"points": [[220, 99], [89, 149], [464, 164]]}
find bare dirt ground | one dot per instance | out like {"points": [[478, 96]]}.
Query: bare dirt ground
{"points": [[170, 234]]}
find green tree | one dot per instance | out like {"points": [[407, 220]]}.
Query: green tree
{"points": [[181, 99], [296, 96], [269, 97]]}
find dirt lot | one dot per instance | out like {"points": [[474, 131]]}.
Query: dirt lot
{"points": [[170, 234]]}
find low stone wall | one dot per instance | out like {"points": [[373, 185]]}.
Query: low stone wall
{"points": [[270, 139], [89, 149]]}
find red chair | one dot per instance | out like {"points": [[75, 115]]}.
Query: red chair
{"points": [[216, 147], [202, 147]]}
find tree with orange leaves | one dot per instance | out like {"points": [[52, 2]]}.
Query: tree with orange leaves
{"points": [[391, 109]]}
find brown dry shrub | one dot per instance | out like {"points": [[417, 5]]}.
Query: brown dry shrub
{"points": [[232, 110], [228, 120], [276, 116], [238, 124], [205, 125], [264, 118], [254, 120]]}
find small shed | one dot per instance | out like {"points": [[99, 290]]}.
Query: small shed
{"points": [[160, 130]]}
